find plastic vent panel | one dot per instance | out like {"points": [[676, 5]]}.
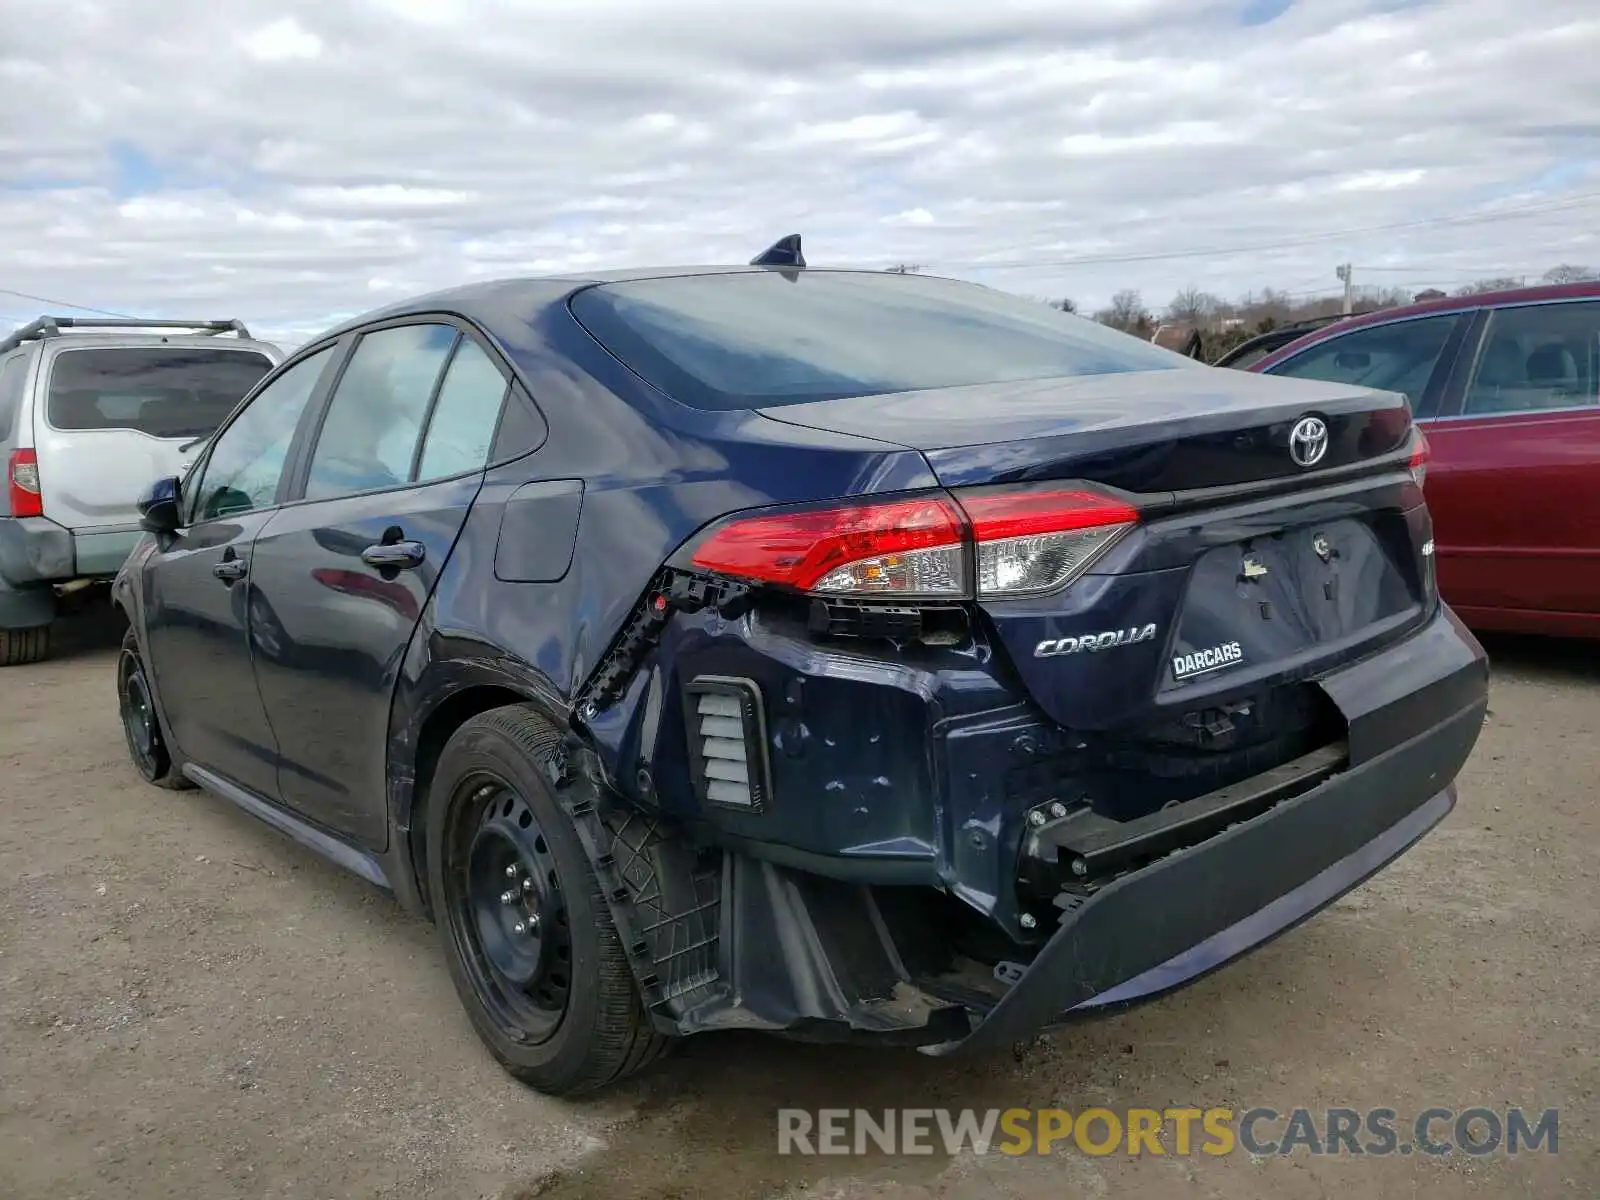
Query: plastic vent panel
{"points": [[727, 742]]}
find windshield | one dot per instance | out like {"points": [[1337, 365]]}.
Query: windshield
{"points": [[163, 391], [764, 338]]}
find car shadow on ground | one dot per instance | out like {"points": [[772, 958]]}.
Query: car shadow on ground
{"points": [[1574, 660], [87, 623]]}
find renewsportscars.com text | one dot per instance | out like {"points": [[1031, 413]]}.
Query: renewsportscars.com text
{"points": [[1259, 1131]]}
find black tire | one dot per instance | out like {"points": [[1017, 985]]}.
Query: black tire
{"points": [[18, 647], [147, 744], [543, 976]]}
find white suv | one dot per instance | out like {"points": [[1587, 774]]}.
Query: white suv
{"points": [[91, 412]]}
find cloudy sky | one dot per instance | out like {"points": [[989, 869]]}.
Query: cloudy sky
{"points": [[294, 162]]}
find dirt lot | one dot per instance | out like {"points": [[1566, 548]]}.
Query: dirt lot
{"points": [[192, 1006]]}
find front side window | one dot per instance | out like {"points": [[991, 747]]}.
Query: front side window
{"points": [[762, 338], [161, 391], [1397, 357], [247, 459], [369, 435], [1541, 356]]}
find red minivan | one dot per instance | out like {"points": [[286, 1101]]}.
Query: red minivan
{"points": [[1507, 386]]}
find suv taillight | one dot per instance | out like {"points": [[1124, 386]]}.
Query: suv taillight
{"points": [[22, 481], [1016, 542]]}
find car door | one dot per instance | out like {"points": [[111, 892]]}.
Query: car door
{"points": [[199, 599], [348, 569], [1514, 483]]}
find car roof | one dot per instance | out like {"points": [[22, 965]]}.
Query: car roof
{"points": [[488, 302], [1544, 293]]}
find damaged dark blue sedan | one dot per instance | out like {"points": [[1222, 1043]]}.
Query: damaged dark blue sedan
{"points": [[845, 654]]}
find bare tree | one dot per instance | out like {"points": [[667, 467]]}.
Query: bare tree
{"points": [[1126, 312], [1065, 304], [1568, 273], [1502, 284], [1193, 306], [904, 268]]}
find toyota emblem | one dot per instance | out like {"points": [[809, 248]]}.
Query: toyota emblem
{"points": [[1308, 441]]}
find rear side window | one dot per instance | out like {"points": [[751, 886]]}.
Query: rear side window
{"points": [[13, 371], [162, 391], [1542, 356], [369, 435], [763, 338], [1399, 357]]}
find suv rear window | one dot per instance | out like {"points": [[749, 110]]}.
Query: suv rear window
{"points": [[163, 391], [758, 339]]}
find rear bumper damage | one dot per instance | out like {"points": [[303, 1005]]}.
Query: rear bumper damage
{"points": [[727, 938], [1176, 920]]}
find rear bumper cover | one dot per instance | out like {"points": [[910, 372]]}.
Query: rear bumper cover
{"points": [[1414, 713]]}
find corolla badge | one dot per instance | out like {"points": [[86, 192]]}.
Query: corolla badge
{"points": [[1308, 441], [1109, 640]]}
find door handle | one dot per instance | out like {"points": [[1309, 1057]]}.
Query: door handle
{"points": [[231, 570], [394, 555]]}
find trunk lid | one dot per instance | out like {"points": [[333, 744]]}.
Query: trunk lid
{"points": [[1248, 573], [1145, 431]]}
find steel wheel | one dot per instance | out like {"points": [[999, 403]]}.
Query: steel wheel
{"points": [[139, 715], [507, 911]]}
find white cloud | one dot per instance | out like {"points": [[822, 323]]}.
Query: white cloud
{"points": [[292, 162], [283, 39]]}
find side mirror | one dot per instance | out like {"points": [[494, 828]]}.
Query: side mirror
{"points": [[158, 506]]}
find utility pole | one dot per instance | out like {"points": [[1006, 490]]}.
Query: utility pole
{"points": [[1343, 272]]}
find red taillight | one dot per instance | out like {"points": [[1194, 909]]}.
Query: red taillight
{"points": [[22, 480], [1420, 453], [1021, 543], [1020, 514], [903, 547]]}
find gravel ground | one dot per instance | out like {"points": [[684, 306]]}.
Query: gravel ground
{"points": [[192, 1006]]}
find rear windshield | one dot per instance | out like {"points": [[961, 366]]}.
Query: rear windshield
{"points": [[757, 339], [163, 391]]}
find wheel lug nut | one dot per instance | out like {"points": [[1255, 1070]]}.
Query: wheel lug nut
{"points": [[1036, 818], [508, 897], [1027, 921], [511, 871], [520, 927], [533, 922], [1058, 810], [527, 883]]}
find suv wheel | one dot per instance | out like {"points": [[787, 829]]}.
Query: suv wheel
{"points": [[136, 705], [21, 646], [532, 949]]}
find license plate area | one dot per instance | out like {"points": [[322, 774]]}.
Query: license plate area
{"points": [[1266, 599]]}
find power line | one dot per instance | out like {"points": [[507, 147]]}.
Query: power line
{"points": [[104, 312], [1563, 205]]}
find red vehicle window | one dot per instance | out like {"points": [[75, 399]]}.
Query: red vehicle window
{"points": [[1399, 356], [1536, 358]]}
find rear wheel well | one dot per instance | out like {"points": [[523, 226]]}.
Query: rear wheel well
{"points": [[437, 729]]}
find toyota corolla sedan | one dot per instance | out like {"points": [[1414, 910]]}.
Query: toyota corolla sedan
{"points": [[849, 655]]}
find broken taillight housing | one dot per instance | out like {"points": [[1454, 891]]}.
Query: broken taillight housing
{"points": [[992, 543], [22, 483]]}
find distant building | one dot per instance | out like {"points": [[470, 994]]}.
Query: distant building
{"points": [[1183, 338]]}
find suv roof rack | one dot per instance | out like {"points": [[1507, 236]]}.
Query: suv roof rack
{"points": [[47, 327]]}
